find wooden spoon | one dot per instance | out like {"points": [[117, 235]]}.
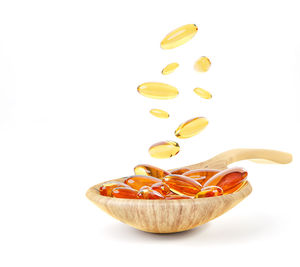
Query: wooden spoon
{"points": [[169, 216]]}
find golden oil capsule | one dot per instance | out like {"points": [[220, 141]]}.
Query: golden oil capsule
{"points": [[191, 127], [170, 68], [236, 188], [179, 36], [180, 171], [165, 149], [203, 93], [157, 90], [202, 64], [149, 170], [159, 113]]}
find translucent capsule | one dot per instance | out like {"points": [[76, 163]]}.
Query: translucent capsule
{"points": [[147, 192], [165, 149], [106, 188], [236, 188], [179, 171], [172, 197], [161, 188], [191, 127], [170, 68], [210, 191], [179, 36], [138, 181], [202, 64], [159, 113], [228, 178], [149, 170], [202, 93], [124, 192], [182, 185], [201, 175], [158, 90]]}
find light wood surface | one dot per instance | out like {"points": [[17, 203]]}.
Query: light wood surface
{"points": [[169, 216]]}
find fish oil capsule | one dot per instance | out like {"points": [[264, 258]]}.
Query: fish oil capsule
{"points": [[182, 185], [159, 113], [157, 90], [106, 188], [170, 68], [149, 170], [161, 188], [164, 150], [203, 93], [179, 171], [179, 36], [210, 191], [124, 192], [228, 178], [202, 64], [236, 188], [147, 192], [173, 197], [201, 175], [191, 127], [138, 181]]}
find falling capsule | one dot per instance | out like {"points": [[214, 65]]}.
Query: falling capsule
{"points": [[106, 188], [164, 149], [191, 127], [179, 36], [201, 175], [170, 68], [147, 192], [124, 192], [182, 185], [203, 93], [228, 178], [149, 170], [202, 64], [157, 90], [138, 181], [159, 113], [210, 191]]}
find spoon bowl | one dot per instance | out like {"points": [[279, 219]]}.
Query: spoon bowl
{"points": [[169, 216]]}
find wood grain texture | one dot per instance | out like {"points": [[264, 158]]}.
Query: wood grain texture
{"points": [[169, 216]]}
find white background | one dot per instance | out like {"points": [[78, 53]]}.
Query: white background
{"points": [[70, 117]]}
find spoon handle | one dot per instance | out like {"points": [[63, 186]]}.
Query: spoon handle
{"points": [[222, 160]]}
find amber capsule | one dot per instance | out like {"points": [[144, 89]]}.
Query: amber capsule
{"points": [[124, 192], [210, 191], [201, 175], [179, 171], [164, 150], [147, 192], [236, 188], [161, 188], [191, 127], [106, 188], [159, 113], [228, 178], [169, 68], [157, 90], [173, 197], [179, 36], [149, 170], [203, 93], [202, 64], [182, 185], [138, 181]]}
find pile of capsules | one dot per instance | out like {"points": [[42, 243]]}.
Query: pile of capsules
{"points": [[151, 182]]}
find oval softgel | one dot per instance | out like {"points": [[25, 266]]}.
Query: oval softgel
{"points": [[191, 127], [157, 90]]}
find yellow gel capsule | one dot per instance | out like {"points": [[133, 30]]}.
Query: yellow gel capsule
{"points": [[179, 36], [191, 127], [203, 93], [160, 113], [158, 90], [170, 68], [202, 64], [164, 150]]}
